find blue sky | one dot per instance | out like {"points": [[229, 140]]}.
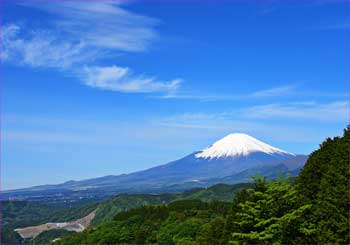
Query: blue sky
{"points": [[105, 87]]}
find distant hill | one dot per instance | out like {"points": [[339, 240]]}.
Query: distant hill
{"points": [[19, 214], [232, 159]]}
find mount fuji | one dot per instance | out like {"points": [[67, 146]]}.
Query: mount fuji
{"points": [[232, 159]]}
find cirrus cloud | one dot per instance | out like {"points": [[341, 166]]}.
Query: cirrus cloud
{"points": [[333, 111], [122, 79], [81, 34]]}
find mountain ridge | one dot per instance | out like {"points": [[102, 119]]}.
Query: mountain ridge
{"points": [[227, 157]]}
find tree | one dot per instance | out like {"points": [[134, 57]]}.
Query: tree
{"points": [[267, 212], [325, 183]]}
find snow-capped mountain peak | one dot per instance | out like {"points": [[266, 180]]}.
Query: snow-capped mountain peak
{"points": [[238, 144]]}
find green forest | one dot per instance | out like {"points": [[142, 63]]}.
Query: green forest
{"points": [[18, 214], [312, 208]]}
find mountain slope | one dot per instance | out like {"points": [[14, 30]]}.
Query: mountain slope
{"points": [[230, 156]]}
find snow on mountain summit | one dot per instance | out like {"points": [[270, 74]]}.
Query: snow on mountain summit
{"points": [[238, 145]]}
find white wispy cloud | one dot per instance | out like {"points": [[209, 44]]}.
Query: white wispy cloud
{"points": [[42, 48], [270, 92], [285, 91], [273, 92], [283, 122], [101, 24], [79, 35], [122, 79], [79, 32], [245, 117], [334, 111]]}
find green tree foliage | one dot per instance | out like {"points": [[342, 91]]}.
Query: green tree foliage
{"points": [[314, 209], [325, 184], [179, 222], [267, 212]]}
